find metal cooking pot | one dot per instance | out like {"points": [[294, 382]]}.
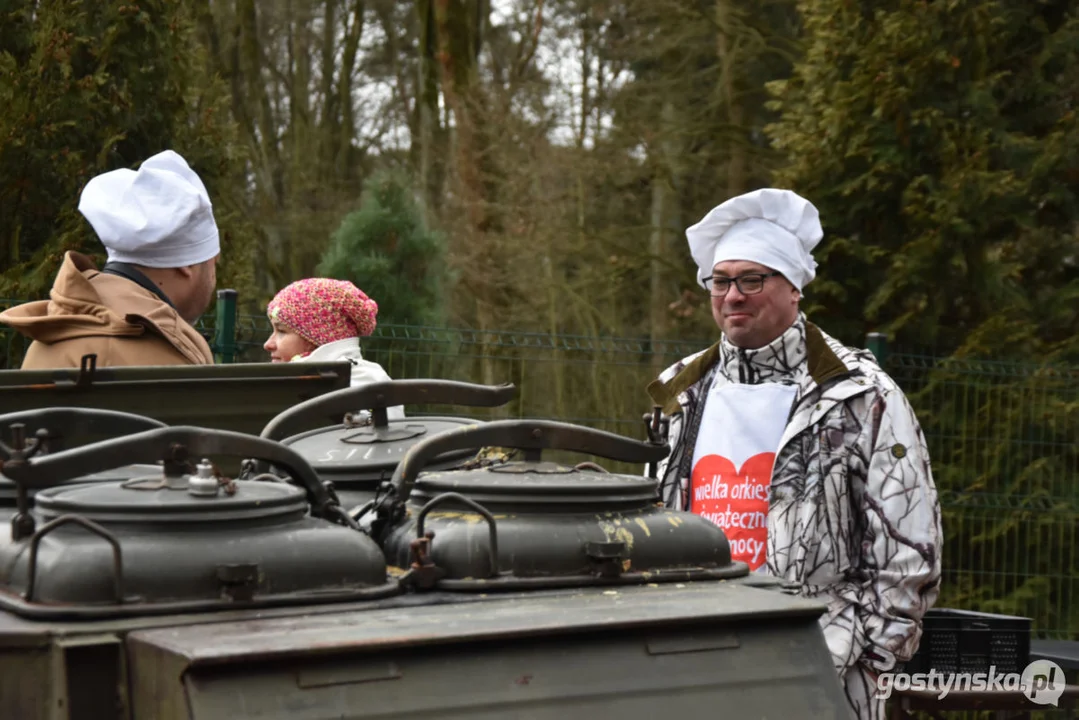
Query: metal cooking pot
{"points": [[359, 455], [58, 428], [530, 523], [183, 541]]}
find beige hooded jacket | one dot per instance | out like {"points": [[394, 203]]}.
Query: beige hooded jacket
{"points": [[107, 315]]}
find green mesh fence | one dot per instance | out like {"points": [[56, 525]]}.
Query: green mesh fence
{"points": [[586, 380], [1002, 438]]}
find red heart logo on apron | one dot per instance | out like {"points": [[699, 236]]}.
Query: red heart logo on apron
{"points": [[735, 499]]}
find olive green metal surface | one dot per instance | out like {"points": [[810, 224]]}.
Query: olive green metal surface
{"points": [[240, 397], [632, 653]]}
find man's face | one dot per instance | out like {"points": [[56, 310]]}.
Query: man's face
{"points": [[198, 291], [753, 320]]}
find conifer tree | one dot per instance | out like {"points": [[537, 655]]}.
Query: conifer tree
{"points": [[940, 143], [387, 251], [87, 87]]}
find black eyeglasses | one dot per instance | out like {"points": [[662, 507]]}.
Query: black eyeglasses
{"points": [[749, 284]]}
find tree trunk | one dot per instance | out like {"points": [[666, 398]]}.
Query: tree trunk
{"points": [[582, 130], [657, 249], [346, 127], [738, 161], [268, 169], [329, 117], [427, 137], [666, 224], [456, 22], [459, 25]]}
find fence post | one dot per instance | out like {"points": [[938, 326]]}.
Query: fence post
{"points": [[877, 343], [225, 326]]}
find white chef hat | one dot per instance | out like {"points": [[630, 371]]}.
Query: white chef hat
{"points": [[158, 217], [776, 228]]}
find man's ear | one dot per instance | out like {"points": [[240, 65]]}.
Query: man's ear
{"points": [[186, 272]]}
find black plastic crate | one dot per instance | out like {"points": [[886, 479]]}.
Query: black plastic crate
{"points": [[963, 641]]}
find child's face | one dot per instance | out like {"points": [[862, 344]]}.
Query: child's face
{"points": [[284, 344]]}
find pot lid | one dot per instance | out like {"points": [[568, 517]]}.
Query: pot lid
{"points": [[374, 399], [8, 488], [158, 499], [512, 484], [370, 448], [532, 484]]}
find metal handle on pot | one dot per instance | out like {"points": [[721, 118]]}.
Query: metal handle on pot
{"points": [[378, 396], [523, 435], [62, 422], [164, 444]]}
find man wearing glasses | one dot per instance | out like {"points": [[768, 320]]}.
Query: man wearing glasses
{"points": [[802, 449]]}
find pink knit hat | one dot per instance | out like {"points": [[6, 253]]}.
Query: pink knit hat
{"points": [[322, 310]]}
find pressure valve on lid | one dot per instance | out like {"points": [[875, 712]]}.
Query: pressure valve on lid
{"points": [[203, 483]]}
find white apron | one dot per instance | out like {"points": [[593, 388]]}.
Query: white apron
{"points": [[732, 462]]}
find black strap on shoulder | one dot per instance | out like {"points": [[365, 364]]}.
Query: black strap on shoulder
{"points": [[130, 272]]}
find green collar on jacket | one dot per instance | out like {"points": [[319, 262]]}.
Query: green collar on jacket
{"points": [[824, 365]]}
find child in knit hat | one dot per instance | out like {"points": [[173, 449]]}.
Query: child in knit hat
{"points": [[322, 320]]}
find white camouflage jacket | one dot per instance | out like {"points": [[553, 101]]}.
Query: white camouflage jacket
{"points": [[853, 517]]}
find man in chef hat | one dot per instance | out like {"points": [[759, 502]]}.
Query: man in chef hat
{"points": [[802, 449], [158, 229]]}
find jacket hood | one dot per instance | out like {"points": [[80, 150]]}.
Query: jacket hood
{"points": [[81, 304]]}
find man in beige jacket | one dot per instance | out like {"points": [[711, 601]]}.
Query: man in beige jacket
{"points": [[158, 228]]}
